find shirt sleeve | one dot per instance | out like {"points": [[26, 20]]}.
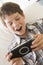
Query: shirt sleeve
{"points": [[39, 25]]}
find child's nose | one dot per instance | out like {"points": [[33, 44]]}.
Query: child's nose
{"points": [[16, 26]]}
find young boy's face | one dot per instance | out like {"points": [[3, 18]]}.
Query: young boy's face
{"points": [[17, 23]]}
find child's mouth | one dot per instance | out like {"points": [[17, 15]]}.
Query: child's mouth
{"points": [[19, 29]]}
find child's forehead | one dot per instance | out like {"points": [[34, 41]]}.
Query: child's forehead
{"points": [[10, 17]]}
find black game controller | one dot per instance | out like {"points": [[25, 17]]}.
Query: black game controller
{"points": [[22, 49]]}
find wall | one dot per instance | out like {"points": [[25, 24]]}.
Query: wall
{"points": [[33, 12]]}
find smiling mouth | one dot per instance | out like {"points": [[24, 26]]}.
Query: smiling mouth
{"points": [[19, 29]]}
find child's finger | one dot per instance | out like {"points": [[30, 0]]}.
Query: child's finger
{"points": [[6, 54], [36, 40], [9, 56], [36, 35]]}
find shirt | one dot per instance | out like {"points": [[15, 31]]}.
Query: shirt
{"points": [[32, 58]]}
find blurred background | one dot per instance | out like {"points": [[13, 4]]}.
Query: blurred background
{"points": [[33, 9]]}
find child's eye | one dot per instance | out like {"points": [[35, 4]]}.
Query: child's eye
{"points": [[10, 23], [17, 18]]}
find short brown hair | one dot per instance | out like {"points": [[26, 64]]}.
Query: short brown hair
{"points": [[10, 8]]}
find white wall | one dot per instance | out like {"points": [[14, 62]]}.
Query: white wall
{"points": [[5, 38], [34, 12]]}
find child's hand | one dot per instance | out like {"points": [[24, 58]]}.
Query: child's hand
{"points": [[14, 61], [37, 44]]}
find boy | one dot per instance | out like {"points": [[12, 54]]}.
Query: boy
{"points": [[14, 20]]}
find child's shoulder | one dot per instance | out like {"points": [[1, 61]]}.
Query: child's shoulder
{"points": [[37, 25]]}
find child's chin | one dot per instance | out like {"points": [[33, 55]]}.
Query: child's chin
{"points": [[21, 34]]}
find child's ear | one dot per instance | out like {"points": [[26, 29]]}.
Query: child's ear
{"points": [[4, 23]]}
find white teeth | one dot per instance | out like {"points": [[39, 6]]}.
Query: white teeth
{"points": [[19, 28]]}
